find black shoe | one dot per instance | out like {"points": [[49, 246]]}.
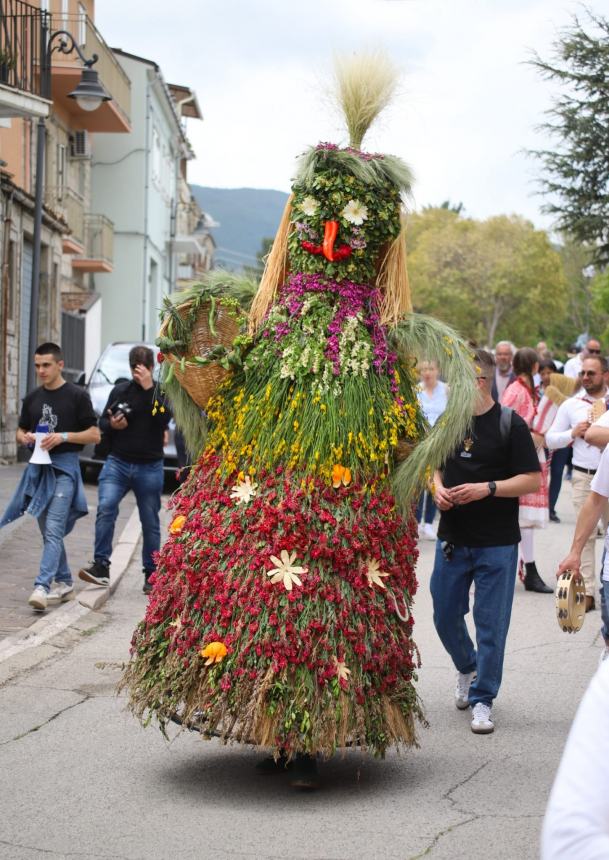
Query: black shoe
{"points": [[554, 518], [98, 573], [304, 773], [147, 584], [533, 581]]}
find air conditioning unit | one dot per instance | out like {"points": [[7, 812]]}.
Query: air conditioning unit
{"points": [[80, 145]]}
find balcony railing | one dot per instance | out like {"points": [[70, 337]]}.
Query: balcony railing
{"points": [[98, 255], [90, 41], [21, 45], [70, 206], [99, 238]]}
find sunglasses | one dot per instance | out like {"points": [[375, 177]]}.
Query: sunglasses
{"points": [[594, 352], [590, 373]]}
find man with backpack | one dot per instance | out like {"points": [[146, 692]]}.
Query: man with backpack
{"points": [[477, 493], [135, 426]]}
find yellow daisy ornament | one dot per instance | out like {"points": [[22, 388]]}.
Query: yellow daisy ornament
{"points": [[285, 570], [374, 574], [342, 673]]}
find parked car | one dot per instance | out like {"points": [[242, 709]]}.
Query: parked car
{"points": [[111, 368]]}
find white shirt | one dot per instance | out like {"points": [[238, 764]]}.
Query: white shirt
{"points": [[573, 366], [576, 826], [600, 485], [570, 413]]}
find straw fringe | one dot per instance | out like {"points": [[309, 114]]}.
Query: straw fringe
{"points": [[392, 281], [275, 271]]}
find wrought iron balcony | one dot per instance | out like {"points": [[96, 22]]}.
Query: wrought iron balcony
{"points": [[22, 39]]}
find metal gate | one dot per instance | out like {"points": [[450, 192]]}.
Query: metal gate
{"points": [[73, 344], [27, 257]]}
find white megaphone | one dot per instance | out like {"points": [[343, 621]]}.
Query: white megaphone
{"points": [[41, 457]]}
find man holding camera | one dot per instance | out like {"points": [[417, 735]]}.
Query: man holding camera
{"points": [[136, 429]]}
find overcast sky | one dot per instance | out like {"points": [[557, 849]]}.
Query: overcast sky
{"points": [[467, 108]]}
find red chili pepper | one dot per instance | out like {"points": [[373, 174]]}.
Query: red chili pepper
{"points": [[330, 234], [160, 357], [342, 252], [310, 247]]}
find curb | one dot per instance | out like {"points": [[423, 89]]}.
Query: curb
{"points": [[89, 599], [94, 596]]}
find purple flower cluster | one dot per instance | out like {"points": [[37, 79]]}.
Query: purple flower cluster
{"points": [[352, 299], [365, 156]]}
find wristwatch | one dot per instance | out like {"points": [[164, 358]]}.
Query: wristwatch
{"points": [[64, 436], [492, 488]]}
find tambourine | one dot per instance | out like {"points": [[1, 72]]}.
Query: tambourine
{"points": [[570, 601]]}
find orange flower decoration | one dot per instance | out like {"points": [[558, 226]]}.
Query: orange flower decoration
{"points": [[340, 475], [215, 652], [177, 525]]}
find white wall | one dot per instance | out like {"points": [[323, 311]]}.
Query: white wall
{"points": [[93, 347]]}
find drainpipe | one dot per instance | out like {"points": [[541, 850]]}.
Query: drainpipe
{"points": [[6, 239], [146, 199]]}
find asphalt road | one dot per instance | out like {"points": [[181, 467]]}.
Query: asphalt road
{"points": [[80, 778]]}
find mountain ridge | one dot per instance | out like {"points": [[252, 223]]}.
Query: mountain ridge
{"points": [[246, 216]]}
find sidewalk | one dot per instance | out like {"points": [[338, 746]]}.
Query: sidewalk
{"points": [[21, 547]]}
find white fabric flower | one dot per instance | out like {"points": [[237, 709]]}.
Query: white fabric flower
{"points": [[374, 574], [244, 491], [355, 212], [309, 206], [285, 570]]}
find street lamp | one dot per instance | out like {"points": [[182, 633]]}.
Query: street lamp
{"points": [[89, 95]]}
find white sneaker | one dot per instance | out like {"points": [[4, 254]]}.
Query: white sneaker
{"points": [[464, 682], [61, 593], [38, 598], [481, 719], [428, 532]]}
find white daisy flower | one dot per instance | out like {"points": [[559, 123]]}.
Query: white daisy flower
{"points": [[285, 570], [355, 212], [310, 206], [244, 491]]}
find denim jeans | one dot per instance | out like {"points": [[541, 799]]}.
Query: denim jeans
{"points": [[115, 480], [492, 570], [53, 525], [430, 508]]}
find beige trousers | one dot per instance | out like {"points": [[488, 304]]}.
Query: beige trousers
{"points": [[580, 487]]}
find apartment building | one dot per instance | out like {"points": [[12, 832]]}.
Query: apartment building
{"points": [[76, 247], [140, 183]]}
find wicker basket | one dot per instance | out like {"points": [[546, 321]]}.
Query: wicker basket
{"points": [[202, 381]]}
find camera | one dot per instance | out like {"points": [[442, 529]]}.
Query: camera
{"points": [[124, 408]]}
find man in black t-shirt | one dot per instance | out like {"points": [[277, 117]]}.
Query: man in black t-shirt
{"points": [[136, 425], [54, 492], [477, 493]]}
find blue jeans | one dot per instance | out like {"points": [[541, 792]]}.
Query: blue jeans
{"points": [[492, 570], [430, 508], [115, 480], [557, 467], [53, 524]]}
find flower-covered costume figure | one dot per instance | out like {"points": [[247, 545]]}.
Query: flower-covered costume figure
{"points": [[280, 614]]}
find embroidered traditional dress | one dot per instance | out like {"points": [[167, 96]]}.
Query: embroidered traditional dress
{"points": [[533, 508]]}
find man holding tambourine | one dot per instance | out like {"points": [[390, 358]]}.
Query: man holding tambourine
{"points": [[586, 525]]}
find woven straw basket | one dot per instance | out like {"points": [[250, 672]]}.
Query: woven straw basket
{"points": [[201, 381]]}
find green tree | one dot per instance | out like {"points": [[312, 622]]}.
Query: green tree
{"points": [[493, 279], [576, 172], [261, 255]]}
